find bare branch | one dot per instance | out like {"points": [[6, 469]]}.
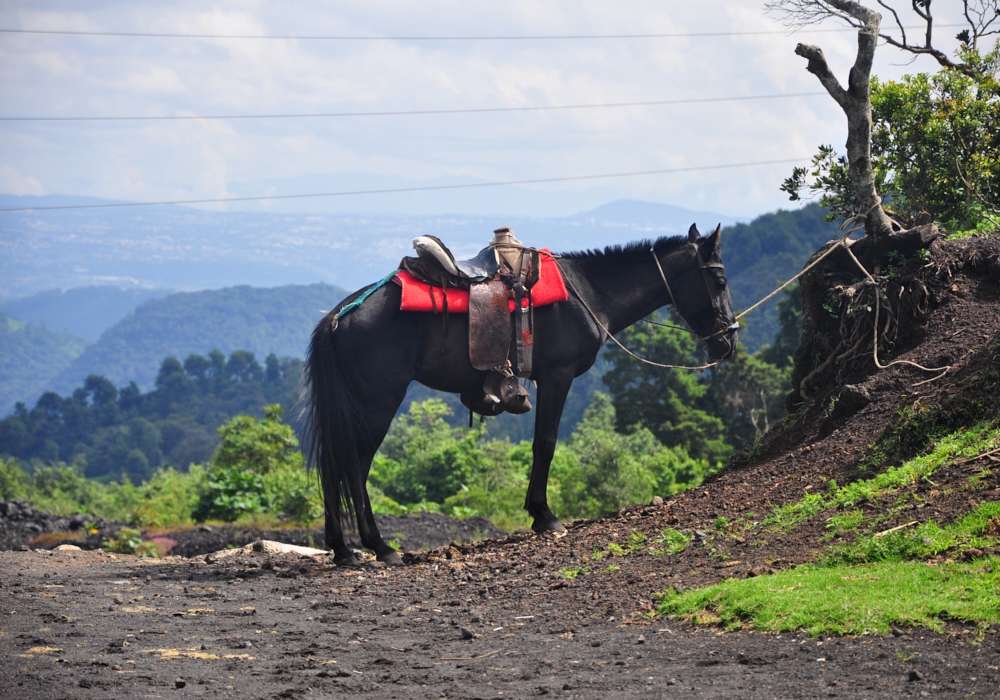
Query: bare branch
{"points": [[818, 66], [899, 23], [979, 14]]}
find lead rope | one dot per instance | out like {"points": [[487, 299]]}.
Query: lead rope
{"points": [[841, 243]]}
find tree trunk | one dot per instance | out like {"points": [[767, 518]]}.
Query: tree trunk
{"points": [[857, 105]]}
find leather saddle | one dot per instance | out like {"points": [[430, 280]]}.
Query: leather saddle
{"points": [[500, 341]]}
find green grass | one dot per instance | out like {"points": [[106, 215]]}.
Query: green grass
{"points": [[921, 541], [864, 599], [864, 587]]}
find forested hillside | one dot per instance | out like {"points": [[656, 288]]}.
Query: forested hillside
{"points": [[263, 321], [32, 356], [107, 432], [85, 311]]}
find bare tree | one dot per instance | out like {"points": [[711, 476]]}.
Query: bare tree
{"points": [[855, 100], [982, 18]]}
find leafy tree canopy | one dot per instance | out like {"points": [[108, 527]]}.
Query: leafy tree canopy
{"points": [[935, 148], [108, 431]]}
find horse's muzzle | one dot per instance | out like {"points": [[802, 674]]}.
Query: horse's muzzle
{"points": [[723, 346]]}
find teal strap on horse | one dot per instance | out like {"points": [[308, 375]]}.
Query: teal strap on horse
{"points": [[361, 299]]}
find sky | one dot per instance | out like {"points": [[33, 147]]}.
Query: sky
{"points": [[55, 75]]}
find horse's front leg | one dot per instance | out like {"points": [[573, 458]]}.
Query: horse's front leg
{"points": [[552, 391]]}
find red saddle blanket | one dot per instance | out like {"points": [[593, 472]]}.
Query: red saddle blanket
{"points": [[418, 296]]}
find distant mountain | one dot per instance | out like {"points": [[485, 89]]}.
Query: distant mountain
{"points": [[85, 311], [276, 320], [191, 249], [32, 356]]}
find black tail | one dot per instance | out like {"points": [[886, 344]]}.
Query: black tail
{"points": [[334, 423]]}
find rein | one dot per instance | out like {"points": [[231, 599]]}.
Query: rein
{"points": [[604, 328]]}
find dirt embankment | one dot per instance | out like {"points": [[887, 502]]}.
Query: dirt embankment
{"points": [[531, 615]]}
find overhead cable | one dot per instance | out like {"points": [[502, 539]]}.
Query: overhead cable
{"points": [[475, 110], [428, 188], [553, 37]]}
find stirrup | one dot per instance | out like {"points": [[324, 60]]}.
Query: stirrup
{"points": [[502, 388]]}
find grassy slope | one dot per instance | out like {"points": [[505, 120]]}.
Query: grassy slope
{"points": [[905, 577]]}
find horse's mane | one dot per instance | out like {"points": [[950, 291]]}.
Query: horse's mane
{"points": [[627, 254]]}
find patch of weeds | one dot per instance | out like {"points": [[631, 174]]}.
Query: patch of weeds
{"points": [[866, 599], [616, 549], [920, 542], [958, 445], [721, 523], [129, 541], [848, 521], [717, 553], [636, 542], [672, 541], [759, 543], [978, 480], [610, 568], [395, 544], [573, 573]]}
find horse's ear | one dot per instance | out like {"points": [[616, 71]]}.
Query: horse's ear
{"points": [[693, 234], [716, 237]]}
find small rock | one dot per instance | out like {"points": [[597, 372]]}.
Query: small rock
{"points": [[567, 686], [915, 676], [180, 683], [467, 634], [68, 548], [672, 681], [341, 673], [657, 501], [640, 640], [595, 643]]}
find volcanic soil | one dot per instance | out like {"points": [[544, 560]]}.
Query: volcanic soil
{"points": [[502, 617]]}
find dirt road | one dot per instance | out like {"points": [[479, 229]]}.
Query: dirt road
{"points": [[92, 625]]}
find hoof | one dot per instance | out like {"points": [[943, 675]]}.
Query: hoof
{"points": [[349, 561], [548, 526], [390, 559]]}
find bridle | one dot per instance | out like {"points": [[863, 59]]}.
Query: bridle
{"points": [[702, 267]]}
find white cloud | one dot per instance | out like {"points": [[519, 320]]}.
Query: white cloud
{"points": [[13, 182], [165, 160]]}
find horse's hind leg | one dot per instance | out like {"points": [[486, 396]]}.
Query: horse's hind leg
{"points": [[380, 402], [334, 540], [368, 530]]}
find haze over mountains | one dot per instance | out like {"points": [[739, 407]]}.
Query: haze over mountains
{"points": [[190, 249], [88, 291]]}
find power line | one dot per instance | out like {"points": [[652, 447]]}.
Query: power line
{"points": [[554, 37], [478, 110], [410, 189]]}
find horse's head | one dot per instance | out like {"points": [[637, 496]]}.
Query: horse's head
{"points": [[701, 296]]}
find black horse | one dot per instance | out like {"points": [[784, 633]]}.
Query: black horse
{"points": [[360, 366]]}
